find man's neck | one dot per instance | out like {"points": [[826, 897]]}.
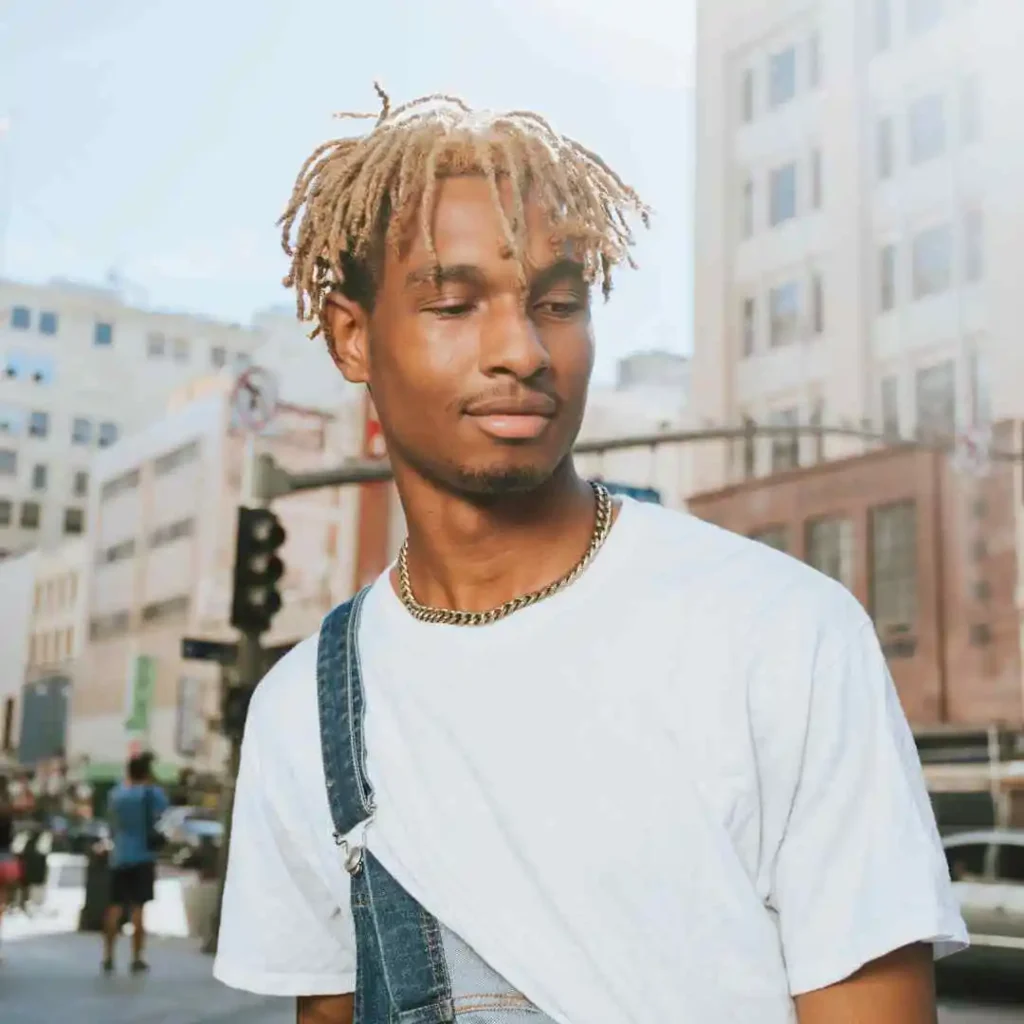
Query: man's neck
{"points": [[473, 557]]}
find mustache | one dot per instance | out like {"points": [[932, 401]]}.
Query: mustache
{"points": [[536, 399]]}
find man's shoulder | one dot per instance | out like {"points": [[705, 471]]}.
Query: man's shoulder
{"points": [[289, 687]]}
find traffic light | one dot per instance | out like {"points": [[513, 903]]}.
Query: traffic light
{"points": [[255, 599]]}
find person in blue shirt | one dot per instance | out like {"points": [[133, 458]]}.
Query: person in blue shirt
{"points": [[134, 808]]}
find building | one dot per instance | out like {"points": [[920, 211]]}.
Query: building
{"points": [[935, 556], [79, 368], [17, 583], [161, 549], [858, 219]]}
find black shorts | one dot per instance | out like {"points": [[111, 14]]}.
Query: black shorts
{"points": [[132, 885]]}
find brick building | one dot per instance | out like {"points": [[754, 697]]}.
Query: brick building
{"points": [[931, 552]]}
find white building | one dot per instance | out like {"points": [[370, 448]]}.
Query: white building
{"points": [[859, 218], [17, 583]]}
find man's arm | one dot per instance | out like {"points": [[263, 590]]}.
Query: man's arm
{"points": [[898, 988], [329, 1010]]}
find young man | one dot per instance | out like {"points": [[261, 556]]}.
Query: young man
{"points": [[134, 809], [568, 760]]}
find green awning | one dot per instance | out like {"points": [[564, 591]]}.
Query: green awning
{"points": [[114, 771]]}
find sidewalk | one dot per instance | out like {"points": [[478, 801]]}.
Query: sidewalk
{"points": [[57, 978]]}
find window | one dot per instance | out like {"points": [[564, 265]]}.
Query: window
{"points": [[782, 198], [12, 420], [966, 861], [8, 462], [38, 423], [816, 179], [74, 520], [30, 514], [817, 304], [181, 348], [39, 478], [936, 401], [749, 326], [887, 278], [884, 145], [1010, 863], [981, 391], [893, 587], [890, 401], [108, 434], [36, 367], [923, 15], [174, 606], [21, 318], [932, 261], [103, 334], [814, 60], [124, 482], [156, 345], [782, 77], [785, 447], [48, 323], [927, 128], [118, 552], [970, 110], [747, 96], [883, 25], [748, 208], [785, 314], [218, 356], [830, 548], [81, 430], [177, 457], [773, 537], [80, 487], [6, 508], [171, 532], [974, 245]]}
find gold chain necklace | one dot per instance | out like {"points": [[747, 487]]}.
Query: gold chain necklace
{"points": [[448, 617]]}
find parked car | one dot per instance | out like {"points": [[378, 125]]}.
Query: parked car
{"points": [[194, 836]]}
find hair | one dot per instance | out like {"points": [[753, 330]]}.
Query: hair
{"points": [[140, 767], [356, 196]]}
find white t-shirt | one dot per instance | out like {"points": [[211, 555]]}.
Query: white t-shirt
{"points": [[681, 789]]}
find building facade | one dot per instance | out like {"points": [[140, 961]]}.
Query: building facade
{"points": [[858, 215]]}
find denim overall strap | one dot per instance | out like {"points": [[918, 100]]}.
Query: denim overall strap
{"points": [[401, 973]]}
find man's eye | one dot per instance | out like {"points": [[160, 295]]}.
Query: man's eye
{"points": [[560, 308], [454, 309]]}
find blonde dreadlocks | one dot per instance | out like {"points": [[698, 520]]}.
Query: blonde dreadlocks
{"points": [[353, 194]]}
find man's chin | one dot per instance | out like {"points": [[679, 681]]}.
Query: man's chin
{"points": [[495, 481]]}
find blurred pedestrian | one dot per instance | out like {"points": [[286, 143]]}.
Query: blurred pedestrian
{"points": [[9, 869], [134, 810]]}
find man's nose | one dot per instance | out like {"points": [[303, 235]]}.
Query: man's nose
{"points": [[511, 343]]}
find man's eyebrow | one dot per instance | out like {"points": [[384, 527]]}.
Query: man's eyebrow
{"points": [[564, 270], [457, 273]]}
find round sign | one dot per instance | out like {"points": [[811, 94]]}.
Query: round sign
{"points": [[254, 400]]}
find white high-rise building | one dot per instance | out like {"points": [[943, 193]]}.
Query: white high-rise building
{"points": [[859, 219]]}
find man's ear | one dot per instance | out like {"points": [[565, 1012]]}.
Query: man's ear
{"points": [[348, 340]]}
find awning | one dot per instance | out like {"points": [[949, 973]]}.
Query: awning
{"points": [[114, 771]]}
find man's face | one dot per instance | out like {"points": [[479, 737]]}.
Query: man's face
{"points": [[479, 378]]}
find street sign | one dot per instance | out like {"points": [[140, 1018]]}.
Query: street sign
{"points": [[254, 399], [648, 494], [208, 650]]}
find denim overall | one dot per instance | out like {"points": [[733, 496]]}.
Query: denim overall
{"points": [[410, 969]]}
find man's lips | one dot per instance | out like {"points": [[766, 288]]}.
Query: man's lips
{"points": [[519, 419]]}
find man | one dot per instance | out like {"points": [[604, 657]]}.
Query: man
{"points": [[134, 809], [590, 762]]}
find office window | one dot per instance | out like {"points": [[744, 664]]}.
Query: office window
{"points": [[749, 326], [784, 312], [816, 191], [814, 60], [21, 318], [6, 508], [108, 434], [8, 462], [782, 77], [883, 25], [886, 278], [181, 349], [38, 423], [48, 323], [748, 208], [171, 532], [218, 356], [974, 245], [927, 125], [830, 548], [81, 430], [923, 15], [39, 477], [932, 253], [37, 367], [782, 197], [817, 304], [970, 110], [785, 447], [890, 402], [884, 148], [156, 345], [30, 515], [981, 388], [13, 420], [892, 532], [747, 96], [773, 537], [74, 520], [936, 401], [80, 488], [103, 334], [180, 456]]}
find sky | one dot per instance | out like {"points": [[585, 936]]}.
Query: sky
{"points": [[159, 139]]}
